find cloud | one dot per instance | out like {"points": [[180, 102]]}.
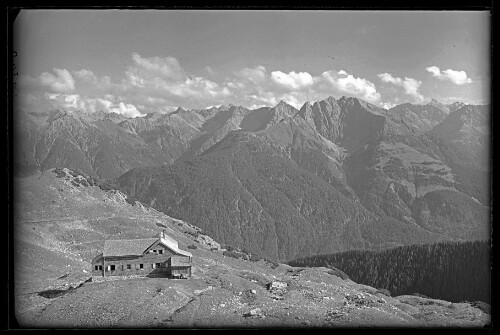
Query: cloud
{"points": [[66, 101], [62, 82], [349, 84], [456, 77], [255, 106], [85, 75], [256, 75], [261, 98], [292, 80], [436, 72], [164, 78], [167, 67], [387, 105], [161, 84], [409, 85], [107, 106], [75, 102], [128, 110]]}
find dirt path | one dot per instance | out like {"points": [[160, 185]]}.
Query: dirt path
{"points": [[72, 219]]}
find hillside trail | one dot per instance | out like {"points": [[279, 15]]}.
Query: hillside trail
{"points": [[71, 219]]}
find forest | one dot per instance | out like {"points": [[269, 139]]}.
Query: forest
{"points": [[452, 271]]}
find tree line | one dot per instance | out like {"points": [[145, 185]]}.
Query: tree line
{"points": [[452, 271]]}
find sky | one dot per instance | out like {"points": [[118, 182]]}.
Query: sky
{"points": [[135, 62]]}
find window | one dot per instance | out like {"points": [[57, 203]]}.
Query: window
{"points": [[96, 267], [128, 267], [158, 265], [161, 251], [112, 268], [153, 265], [141, 266]]}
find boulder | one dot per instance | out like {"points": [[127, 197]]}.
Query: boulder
{"points": [[277, 286], [256, 312]]}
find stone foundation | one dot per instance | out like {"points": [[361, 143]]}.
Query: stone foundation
{"points": [[98, 279]]}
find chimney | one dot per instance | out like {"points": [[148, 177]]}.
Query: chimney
{"points": [[163, 233]]}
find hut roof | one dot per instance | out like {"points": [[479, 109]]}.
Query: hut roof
{"points": [[172, 244], [137, 247], [133, 247]]}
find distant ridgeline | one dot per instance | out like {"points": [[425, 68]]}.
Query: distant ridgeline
{"points": [[452, 271]]}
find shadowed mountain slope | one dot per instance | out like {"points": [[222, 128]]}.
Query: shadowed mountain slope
{"points": [[246, 191], [267, 182]]}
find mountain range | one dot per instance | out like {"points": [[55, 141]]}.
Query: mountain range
{"points": [[335, 175]]}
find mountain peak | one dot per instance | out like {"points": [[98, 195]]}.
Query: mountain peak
{"points": [[306, 104], [224, 107], [345, 99], [331, 99], [434, 102], [179, 110], [283, 104], [456, 106]]}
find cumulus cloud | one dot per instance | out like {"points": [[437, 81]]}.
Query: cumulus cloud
{"points": [[128, 110], [107, 106], [261, 98], [167, 67], [409, 85], [85, 75], [66, 101], [75, 102], [456, 77], [255, 106], [256, 75], [62, 81], [161, 84], [164, 78], [292, 80], [353, 85], [387, 105]]}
